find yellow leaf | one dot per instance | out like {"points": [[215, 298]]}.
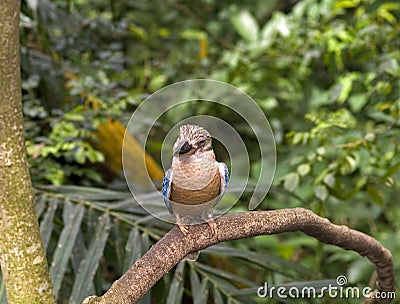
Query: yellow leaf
{"points": [[110, 137], [203, 47]]}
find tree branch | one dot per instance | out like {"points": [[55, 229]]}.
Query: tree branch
{"points": [[173, 247]]}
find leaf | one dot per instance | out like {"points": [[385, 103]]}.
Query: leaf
{"points": [[77, 256], [391, 170], [350, 163], [79, 252], [375, 195], [276, 25], [391, 67], [118, 237], [175, 292], [33, 4], [157, 82], [194, 282], [357, 101], [88, 193], [193, 34], [390, 6], [304, 169], [47, 223], [346, 83], [223, 285], [268, 33], [218, 299], [145, 242], [358, 270], [138, 31], [3, 298], [88, 267], [385, 14], [40, 204], [91, 221], [347, 3], [282, 24], [330, 179], [321, 192], [264, 259], [202, 295], [384, 87], [291, 181], [72, 216], [199, 291], [225, 274], [245, 25], [94, 156], [133, 248]]}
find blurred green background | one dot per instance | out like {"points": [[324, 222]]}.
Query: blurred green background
{"points": [[325, 72]]}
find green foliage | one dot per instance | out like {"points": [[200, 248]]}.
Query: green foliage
{"points": [[67, 147], [326, 73]]}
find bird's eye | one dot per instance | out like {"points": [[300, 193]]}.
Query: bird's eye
{"points": [[202, 142]]}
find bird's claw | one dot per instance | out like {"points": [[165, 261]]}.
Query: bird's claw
{"points": [[213, 227], [184, 229]]}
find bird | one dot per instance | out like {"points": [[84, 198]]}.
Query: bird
{"points": [[195, 182]]}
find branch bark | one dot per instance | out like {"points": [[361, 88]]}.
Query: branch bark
{"points": [[22, 257], [173, 247]]}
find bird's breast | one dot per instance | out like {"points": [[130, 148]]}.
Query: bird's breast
{"points": [[196, 182]]}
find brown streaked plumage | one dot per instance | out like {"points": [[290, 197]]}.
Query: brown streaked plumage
{"points": [[203, 195]]}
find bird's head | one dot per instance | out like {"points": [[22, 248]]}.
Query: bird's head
{"points": [[192, 139]]}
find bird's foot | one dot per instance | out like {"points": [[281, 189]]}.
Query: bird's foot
{"points": [[213, 227], [183, 228]]}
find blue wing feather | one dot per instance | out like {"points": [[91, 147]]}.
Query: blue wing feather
{"points": [[226, 175], [166, 189]]}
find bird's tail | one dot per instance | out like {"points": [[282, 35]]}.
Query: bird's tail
{"points": [[192, 256]]}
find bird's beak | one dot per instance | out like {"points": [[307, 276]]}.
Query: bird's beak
{"points": [[182, 148]]}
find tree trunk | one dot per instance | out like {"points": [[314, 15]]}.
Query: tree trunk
{"points": [[22, 257]]}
